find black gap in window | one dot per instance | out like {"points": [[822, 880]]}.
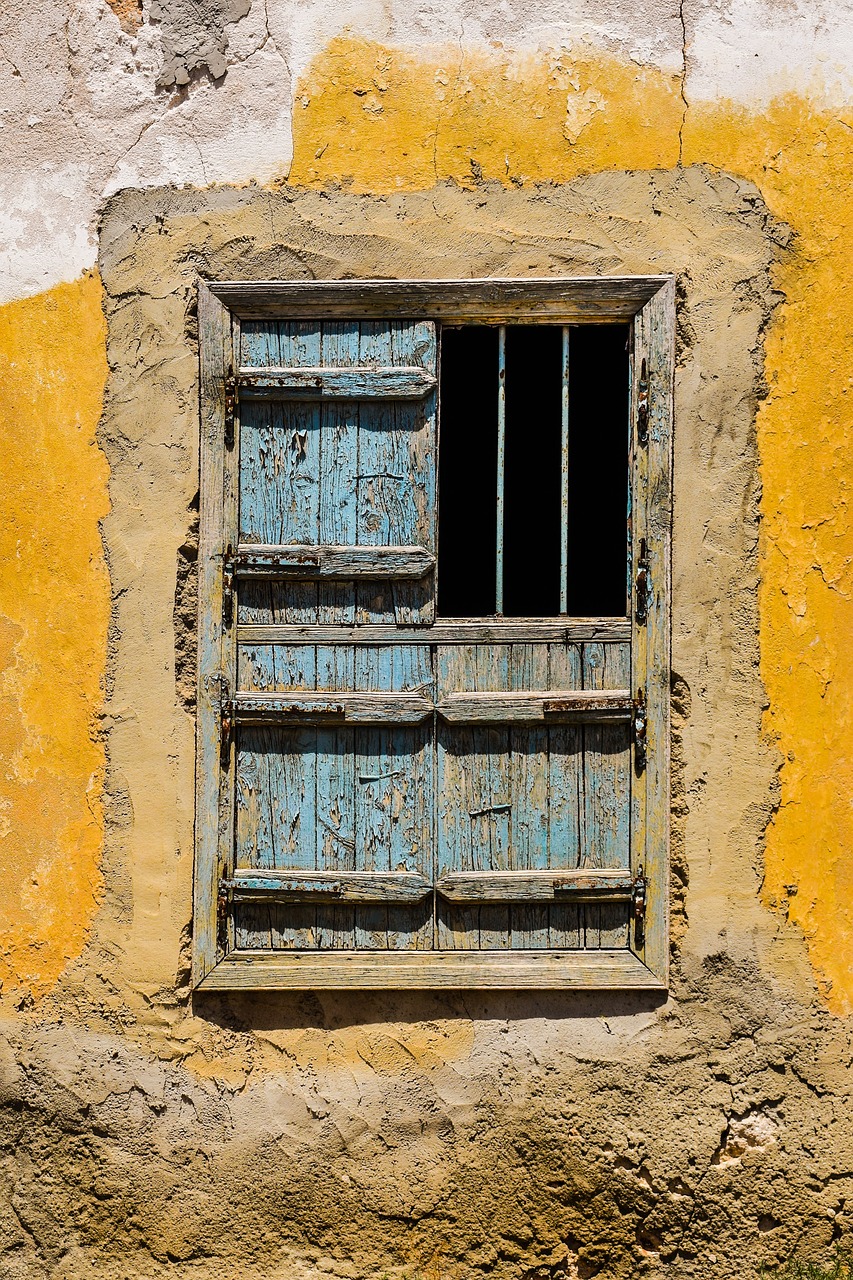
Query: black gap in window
{"points": [[534, 363], [467, 471], [597, 481], [598, 471]]}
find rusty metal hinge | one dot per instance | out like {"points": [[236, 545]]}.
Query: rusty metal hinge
{"points": [[639, 889], [642, 583], [230, 409], [640, 731], [226, 723], [228, 586], [643, 408]]}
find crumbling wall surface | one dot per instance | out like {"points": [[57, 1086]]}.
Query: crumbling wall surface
{"points": [[146, 1133]]}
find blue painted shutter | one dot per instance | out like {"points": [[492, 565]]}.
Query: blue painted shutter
{"points": [[325, 791], [317, 795]]}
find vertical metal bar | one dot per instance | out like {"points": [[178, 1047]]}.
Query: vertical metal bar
{"points": [[499, 556], [564, 480]]}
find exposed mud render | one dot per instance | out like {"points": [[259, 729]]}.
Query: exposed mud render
{"points": [[151, 1133]]}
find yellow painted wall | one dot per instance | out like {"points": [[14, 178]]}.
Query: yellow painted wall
{"points": [[378, 119], [54, 615]]}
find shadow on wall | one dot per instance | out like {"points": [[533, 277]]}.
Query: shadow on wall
{"points": [[333, 1010]]}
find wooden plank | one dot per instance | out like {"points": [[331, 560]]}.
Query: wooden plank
{"points": [[575, 300], [345, 886], [565, 783], [326, 383], [323, 561], [444, 633], [416, 342], [458, 793], [530, 800], [419, 970], [533, 886], [212, 846], [340, 708], [607, 791], [336, 833], [372, 799], [410, 765], [491, 823], [539, 706], [654, 342]]}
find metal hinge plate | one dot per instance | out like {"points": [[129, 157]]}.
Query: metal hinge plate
{"points": [[640, 725], [230, 410]]}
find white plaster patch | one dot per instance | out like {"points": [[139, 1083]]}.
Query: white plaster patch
{"points": [[236, 130], [752, 51]]}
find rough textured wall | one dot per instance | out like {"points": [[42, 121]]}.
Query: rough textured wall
{"points": [[146, 1135]]}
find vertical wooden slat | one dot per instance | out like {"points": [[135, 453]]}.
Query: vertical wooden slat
{"points": [[372, 798], [338, 471], [606, 791], [565, 792], [410, 764], [491, 829], [530, 800], [213, 844], [499, 504], [336, 824], [654, 342], [414, 343], [564, 476], [458, 791]]}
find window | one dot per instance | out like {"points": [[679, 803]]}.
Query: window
{"points": [[433, 688]]}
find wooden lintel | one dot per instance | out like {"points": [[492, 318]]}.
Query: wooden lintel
{"points": [[574, 300]]}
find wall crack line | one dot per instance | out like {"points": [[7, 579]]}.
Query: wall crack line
{"points": [[683, 83]]}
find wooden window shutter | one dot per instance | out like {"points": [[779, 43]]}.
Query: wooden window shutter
{"points": [[383, 797]]}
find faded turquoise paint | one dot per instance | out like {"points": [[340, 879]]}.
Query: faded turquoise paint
{"points": [[428, 799]]}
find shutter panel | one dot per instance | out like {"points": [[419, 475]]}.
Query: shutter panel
{"points": [[529, 812], [334, 776]]}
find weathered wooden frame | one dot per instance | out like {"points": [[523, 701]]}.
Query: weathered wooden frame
{"points": [[648, 302]]}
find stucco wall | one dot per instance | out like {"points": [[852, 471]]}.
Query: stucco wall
{"points": [[147, 1134]]}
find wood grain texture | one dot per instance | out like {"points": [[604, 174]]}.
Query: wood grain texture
{"points": [[537, 706], [324, 561], [578, 300], [654, 343], [507, 970], [344, 708], [212, 847], [532, 886], [499, 632], [365, 382], [346, 886]]}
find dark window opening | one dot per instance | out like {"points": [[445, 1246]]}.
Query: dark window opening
{"points": [[561, 506]]}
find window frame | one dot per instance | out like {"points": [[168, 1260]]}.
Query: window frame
{"points": [[648, 303]]}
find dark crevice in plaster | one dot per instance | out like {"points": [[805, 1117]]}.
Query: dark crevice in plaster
{"points": [[683, 81]]}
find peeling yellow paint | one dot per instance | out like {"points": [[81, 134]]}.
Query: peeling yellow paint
{"points": [[801, 160], [54, 615], [378, 119]]}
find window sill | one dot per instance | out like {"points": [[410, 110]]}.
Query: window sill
{"points": [[421, 970]]}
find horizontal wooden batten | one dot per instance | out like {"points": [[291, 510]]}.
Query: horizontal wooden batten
{"points": [[395, 382], [305, 561], [536, 707], [330, 708], [579, 300], [341, 886], [535, 886], [427, 970], [523, 631]]}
